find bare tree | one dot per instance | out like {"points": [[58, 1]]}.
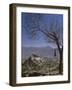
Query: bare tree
{"points": [[51, 33]]}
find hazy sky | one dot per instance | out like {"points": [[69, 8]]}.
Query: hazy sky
{"points": [[45, 20]]}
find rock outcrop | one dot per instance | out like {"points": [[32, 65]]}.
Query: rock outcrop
{"points": [[39, 66]]}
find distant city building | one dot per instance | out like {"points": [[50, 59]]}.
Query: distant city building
{"points": [[34, 56]]}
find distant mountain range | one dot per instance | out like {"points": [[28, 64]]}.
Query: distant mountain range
{"points": [[41, 51]]}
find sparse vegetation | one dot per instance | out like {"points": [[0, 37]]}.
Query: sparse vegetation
{"points": [[41, 67]]}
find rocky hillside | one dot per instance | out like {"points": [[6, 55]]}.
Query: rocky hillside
{"points": [[40, 66]]}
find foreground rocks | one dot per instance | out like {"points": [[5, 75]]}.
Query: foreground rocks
{"points": [[40, 66]]}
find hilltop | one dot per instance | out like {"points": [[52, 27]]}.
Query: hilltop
{"points": [[40, 66]]}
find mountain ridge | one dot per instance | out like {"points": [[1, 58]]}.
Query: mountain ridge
{"points": [[41, 51]]}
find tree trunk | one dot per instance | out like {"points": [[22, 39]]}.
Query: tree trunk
{"points": [[61, 63], [61, 57]]}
